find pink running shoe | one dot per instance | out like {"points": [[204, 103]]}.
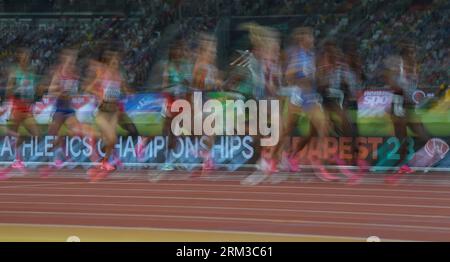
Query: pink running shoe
{"points": [[289, 163], [18, 164], [322, 173], [117, 162], [394, 179], [358, 177], [405, 169], [140, 151], [284, 163], [294, 165], [95, 174], [107, 166], [363, 165], [208, 164], [58, 163], [267, 165], [347, 172]]}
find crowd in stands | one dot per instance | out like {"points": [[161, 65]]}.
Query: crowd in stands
{"points": [[137, 38], [377, 25], [380, 26]]}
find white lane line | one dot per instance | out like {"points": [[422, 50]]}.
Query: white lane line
{"points": [[43, 184], [241, 192], [217, 184], [224, 219], [234, 178], [225, 208], [222, 199]]}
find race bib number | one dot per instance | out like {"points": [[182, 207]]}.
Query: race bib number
{"points": [[336, 94], [70, 86], [26, 90], [112, 91]]}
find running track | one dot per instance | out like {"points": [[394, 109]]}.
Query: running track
{"points": [[417, 209]]}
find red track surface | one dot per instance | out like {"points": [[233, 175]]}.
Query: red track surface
{"points": [[418, 211]]}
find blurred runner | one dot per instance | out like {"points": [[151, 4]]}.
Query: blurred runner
{"points": [[205, 77], [354, 84], [108, 86], [301, 73], [337, 83], [257, 75], [64, 85], [402, 78], [22, 88], [177, 78]]}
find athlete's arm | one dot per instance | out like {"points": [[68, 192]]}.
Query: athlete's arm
{"points": [[10, 85], [90, 87], [53, 87], [165, 81]]}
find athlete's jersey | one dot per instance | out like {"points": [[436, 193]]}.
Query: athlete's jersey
{"points": [[340, 83], [178, 77], [69, 85], [205, 77], [25, 85], [252, 75], [302, 62], [174, 76], [407, 82], [272, 77], [111, 90]]}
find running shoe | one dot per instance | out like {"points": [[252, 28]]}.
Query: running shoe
{"points": [[167, 167], [322, 173], [342, 167], [294, 165], [284, 163], [264, 169], [208, 164], [394, 179], [267, 165], [117, 162], [18, 164], [363, 165], [405, 169], [140, 151], [107, 166], [58, 163]]}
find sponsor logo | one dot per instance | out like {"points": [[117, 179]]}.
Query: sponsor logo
{"points": [[418, 96], [436, 146], [210, 118]]}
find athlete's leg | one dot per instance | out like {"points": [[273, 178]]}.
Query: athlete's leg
{"points": [[25, 118], [289, 121], [400, 131], [126, 123], [415, 124], [107, 123], [17, 119], [31, 125], [54, 128]]}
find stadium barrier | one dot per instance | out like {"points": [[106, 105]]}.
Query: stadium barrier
{"points": [[376, 142]]}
